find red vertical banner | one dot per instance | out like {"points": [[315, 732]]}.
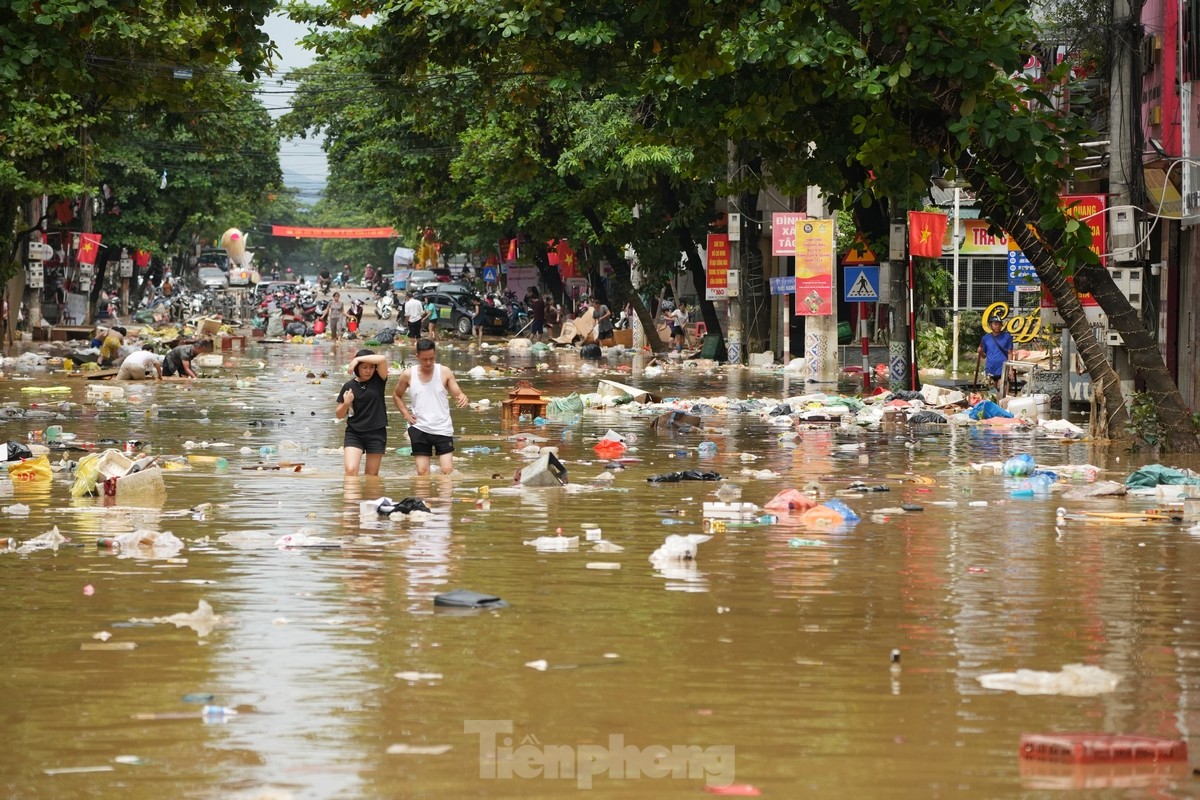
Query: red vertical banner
{"points": [[814, 268], [716, 275]]}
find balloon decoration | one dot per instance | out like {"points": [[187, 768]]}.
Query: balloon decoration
{"points": [[234, 243]]}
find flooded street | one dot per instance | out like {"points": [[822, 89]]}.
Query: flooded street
{"points": [[766, 662]]}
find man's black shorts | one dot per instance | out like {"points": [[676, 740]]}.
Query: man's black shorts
{"points": [[414, 330], [372, 442], [426, 444]]}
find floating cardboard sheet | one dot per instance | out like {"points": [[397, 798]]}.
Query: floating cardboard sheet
{"points": [[614, 389], [583, 326]]}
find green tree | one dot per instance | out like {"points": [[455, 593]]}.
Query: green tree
{"points": [[863, 97], [71, 70], [180, 177]]}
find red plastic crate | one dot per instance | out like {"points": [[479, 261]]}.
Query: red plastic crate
{"points": [[1100, 748]]}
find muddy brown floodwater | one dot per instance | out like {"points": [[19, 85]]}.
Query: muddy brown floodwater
{"points": [[765, 663]]}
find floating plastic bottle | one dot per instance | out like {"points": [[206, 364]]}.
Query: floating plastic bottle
{"points": [[707, 448], [673, 521], [540, 420], [767, 519], [1019, 466], [268, 450], [217, 713], [1040, 484]]}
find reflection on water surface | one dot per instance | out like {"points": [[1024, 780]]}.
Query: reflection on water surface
{"points": [[765, 661]]}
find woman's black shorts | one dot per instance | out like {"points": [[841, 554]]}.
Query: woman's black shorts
{"points": [[372, 442]]}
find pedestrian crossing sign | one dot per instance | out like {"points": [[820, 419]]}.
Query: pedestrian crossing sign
{"points": [[861, 284], [489, 274]]}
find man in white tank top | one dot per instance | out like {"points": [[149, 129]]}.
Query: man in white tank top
{"points": [[430, 387]]}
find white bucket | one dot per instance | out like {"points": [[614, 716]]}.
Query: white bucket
{"points": [[104, 392], [1024, 407]]}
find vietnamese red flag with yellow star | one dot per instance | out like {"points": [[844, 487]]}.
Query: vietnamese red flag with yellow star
{"points": [[566, 260], [89, 247], [926, 229]]}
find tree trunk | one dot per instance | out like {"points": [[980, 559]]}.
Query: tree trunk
{"points": [[1179, 431], [695, 266], [624, 278]]}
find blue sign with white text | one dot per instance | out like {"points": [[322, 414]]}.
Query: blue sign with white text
{"points": [[784, 285], [861, 285], [1020, 271]]}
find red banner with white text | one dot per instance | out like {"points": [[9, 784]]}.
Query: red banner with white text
{"points": [[332, 233]]}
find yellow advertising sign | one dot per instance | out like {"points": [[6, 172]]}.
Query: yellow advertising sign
{"points": [[1023, 329]]}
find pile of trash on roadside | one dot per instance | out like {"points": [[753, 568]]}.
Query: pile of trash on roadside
{"points": [[932, 406]]}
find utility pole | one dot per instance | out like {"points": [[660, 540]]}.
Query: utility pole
{"points": [[733, 346], [1125, 148], [898, 310]]}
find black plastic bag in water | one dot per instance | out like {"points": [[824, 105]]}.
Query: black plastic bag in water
{"points": [[686, 475], [408, 504], [15, 451]]}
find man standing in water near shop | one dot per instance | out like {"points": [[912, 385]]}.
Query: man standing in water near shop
{"points": [[996, 346], [430, 386]]}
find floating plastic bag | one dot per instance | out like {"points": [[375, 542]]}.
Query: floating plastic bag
{"points": [[14, 451], [1020, 466], [571, 404], [790, 500], [986, 410], [822, 517], [609, 448], [30, 470], [1075, 680], [87, 473]]}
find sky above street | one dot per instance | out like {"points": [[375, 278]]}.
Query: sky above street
{"points": [[303, 161]]}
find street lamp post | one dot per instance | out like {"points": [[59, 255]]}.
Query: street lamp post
{"points": [[954, 239]]}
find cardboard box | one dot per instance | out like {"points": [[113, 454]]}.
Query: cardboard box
{"points": [[208, 326]]}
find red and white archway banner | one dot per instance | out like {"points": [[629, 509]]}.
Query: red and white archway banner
{"points": [[332, 233]]}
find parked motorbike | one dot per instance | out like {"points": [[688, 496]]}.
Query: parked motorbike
{"points": [[385, 306]]}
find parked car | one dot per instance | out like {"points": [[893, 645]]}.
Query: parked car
{"points": [[213, 278], [456, 308], [420, 279], [213, 257]]}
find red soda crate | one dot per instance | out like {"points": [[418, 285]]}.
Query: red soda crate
{"points": [[1100, 748]]}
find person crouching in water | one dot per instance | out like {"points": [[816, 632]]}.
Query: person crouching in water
{"points": [[363, 404]]}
